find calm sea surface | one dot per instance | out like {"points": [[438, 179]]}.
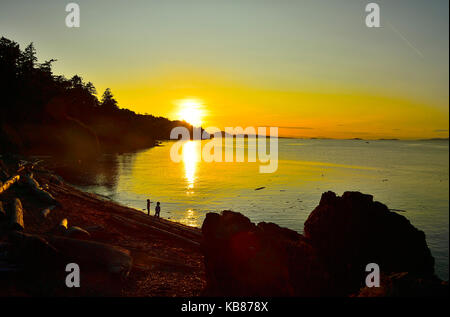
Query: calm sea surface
{"points": [[406, 175]]}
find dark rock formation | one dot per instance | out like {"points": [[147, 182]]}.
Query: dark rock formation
{"points": [[342, 235], [351, 231], [243, 259]]}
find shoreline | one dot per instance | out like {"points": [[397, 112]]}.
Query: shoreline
{"points": [[166, 256]]}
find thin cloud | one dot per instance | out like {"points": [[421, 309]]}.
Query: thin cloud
{"points": [[297, 128]]}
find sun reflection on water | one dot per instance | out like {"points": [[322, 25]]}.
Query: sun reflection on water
{"points": [[190, 160], [191, 218]]}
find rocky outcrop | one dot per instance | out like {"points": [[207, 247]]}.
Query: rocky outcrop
{"points": [[243, 259], [342, 235], [351, 231]]}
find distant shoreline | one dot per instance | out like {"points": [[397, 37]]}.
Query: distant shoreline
{"points": [[337, 139], [361, 139]]}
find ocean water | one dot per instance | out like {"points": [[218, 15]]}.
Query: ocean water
{"points": [[412, 176]]}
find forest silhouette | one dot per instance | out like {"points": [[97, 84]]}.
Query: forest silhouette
{"points": [[46, 114]]}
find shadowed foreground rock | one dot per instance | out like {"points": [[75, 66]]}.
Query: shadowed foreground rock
{"points": [[264, 260], [342, 235], [351, 231]]}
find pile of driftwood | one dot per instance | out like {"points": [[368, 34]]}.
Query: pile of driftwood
{"points": [[21, 251]]}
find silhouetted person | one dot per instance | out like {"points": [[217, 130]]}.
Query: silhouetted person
{"points": [[148, 207], [157, 209]]}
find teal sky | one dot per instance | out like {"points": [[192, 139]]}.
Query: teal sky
{"points": [[140, 48]]}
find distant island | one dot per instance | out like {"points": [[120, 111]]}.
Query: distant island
{"points": [[435, 139], [47, 114]]}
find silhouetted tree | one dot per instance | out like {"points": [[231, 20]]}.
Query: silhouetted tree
{"points": [[77, 82], [108, 102], [9, 56], [28, 60], [90, 88]]}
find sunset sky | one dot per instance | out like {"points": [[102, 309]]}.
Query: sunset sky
{"points": [[310, 67]]}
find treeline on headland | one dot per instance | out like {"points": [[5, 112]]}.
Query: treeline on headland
{"points": [[46, 114]]}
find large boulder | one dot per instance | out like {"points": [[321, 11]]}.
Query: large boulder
{"points": [[352, 231], [341, 236], [242, 259]]}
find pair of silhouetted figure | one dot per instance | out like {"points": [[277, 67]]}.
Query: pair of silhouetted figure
{"points": [[157, 208]]}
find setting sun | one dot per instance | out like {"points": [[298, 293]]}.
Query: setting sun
{"points": [[191, 111]]}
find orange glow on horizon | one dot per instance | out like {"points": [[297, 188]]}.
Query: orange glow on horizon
{"points": [[297, 113]]}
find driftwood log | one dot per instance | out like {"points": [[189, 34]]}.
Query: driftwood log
{"points": [[25, 165], [94, 228], [33, 251], [6, 185], [16, 216], [2, 212], [77, 233], [94, 255], [49, 251], [38, 191]]}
